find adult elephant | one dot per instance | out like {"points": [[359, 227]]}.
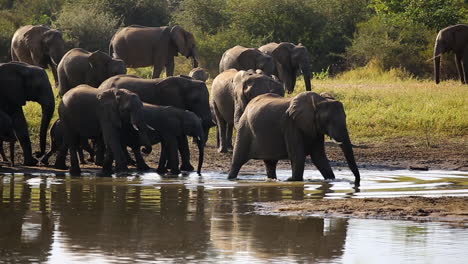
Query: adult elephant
{"points": [[274, 128], [178, 91], [242, 58], [19, 83], [231, 91], [140, 46], [38, 45], [289, 59], [453, 38], [79, 66], [86, 112]]}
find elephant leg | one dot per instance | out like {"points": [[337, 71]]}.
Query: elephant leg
{"points": [[12, 153], [100, 150], [184, 155], [20, 127], [270, 166], [172, 156], [61, 157], [461, 72], [319, 158], [107, 162], [162, 169], [229, 130], [158, 65], [170, 66], [74, 144], [140, 162], [296, 152], [240, 155], [221, 131], [129, 159], [2, 152], [81, 155], [465, 66]]}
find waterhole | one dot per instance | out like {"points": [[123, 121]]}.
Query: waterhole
{"points": [[147, 218]]}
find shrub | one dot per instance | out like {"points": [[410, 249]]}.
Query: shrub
{"points": [[86, 26]]}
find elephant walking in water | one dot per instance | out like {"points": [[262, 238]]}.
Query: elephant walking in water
{"points": [[289, 60], [274, 128], [453, 38], [38, 45], [140, 46], [19, 83]]}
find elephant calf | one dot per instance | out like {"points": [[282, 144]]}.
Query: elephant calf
{"points": [[171, 126], [231, 91], [7, 134], [274, 128], [199, 74], [79, 66], [56, 140]]}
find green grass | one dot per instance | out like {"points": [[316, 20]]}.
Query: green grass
{"points": [[378, 104]]}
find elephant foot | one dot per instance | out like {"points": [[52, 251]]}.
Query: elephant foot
{"points": [[161, 171], [232, 177], [143, 167], [131, 162], [121, 168], [174, 172], [30, 162], [222, 150], [294, 179], [186, 167], [75, 171]]}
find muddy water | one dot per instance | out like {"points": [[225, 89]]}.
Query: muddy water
{"points": [[146, 218]]}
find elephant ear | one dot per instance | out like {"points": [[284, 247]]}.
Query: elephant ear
{"points": [[180, 37], [109, 106], [302, 110], [282, 54], [247, 58], [18, 73], [98, 58]]}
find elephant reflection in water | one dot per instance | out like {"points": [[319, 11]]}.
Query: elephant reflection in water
{"points": [[267, 236], [130, 221], [26, 225]]}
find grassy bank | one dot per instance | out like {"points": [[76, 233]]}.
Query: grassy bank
{"points": [[379, 106]]}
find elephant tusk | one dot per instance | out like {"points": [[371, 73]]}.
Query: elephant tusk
{"points": [[135, 127], [433, 58], [150, 127]]}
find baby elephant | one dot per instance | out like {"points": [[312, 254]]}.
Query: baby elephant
{"points": [[56, 140], [199, 74], [7, 134], [171, 126]]}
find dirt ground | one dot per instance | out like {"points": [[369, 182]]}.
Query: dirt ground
{"points": [[445, 154], [445, 209]]}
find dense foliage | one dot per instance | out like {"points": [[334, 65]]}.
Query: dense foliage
{"points": [[338, 33]]}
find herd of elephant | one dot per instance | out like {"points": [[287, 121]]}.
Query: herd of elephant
{"points": [[101, 103]]}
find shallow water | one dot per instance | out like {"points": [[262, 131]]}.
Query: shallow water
{"points": [[146, 218]]}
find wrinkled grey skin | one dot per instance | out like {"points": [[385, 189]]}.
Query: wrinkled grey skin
{"points": [[171, 125], [290, 59], [199, 74], [7, 134], [19, 83], [56, 140], [88, 113], [273, 128], [79, 66], [178, 91], [140, 46], [231, 91], [38, 45], [241, 58], [453, 38]]}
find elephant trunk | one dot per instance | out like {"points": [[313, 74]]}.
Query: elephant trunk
{"points": [[437, 69], [201, 150], [347, 149], [194, 55], [305, 68], [142, 129], [48, 107]]}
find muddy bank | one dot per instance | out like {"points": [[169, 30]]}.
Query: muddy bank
{"points": [[445, 209]]}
